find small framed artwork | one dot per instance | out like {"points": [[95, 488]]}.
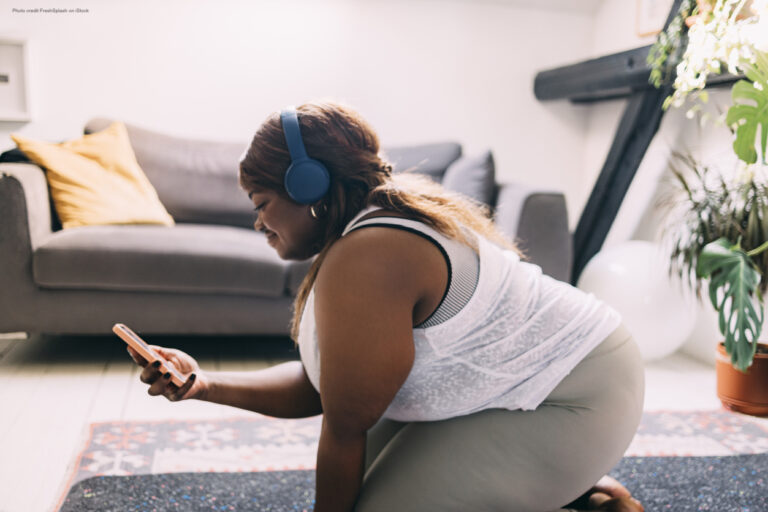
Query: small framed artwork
{"points": [[14, 80], [651, 15]]}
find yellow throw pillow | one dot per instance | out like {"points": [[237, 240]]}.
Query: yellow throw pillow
{"points": [[97, 180]]}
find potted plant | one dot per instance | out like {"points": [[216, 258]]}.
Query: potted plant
{"points": [[723, 236], [719, 236]]}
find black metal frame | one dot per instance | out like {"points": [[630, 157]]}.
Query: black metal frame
{"points": [[637, 128]]}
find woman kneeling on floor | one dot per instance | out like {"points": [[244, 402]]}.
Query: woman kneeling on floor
{"points": [[451, 374]]}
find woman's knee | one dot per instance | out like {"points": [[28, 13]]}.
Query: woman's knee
{"points": [[494, 460]]}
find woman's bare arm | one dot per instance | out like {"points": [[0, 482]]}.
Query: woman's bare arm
{"points": [[282, 391], [366, 292]]}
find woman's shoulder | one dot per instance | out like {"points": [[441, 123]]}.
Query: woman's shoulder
{"points": [[396, 254], [378, 241]]}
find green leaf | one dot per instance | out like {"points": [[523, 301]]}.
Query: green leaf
{"points": [[744, 119], [733, 284], [750, 110]]}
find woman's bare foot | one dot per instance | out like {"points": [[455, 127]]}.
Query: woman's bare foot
{"points": [[601, 501], [607, 495]]}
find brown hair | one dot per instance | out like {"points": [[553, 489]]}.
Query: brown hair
{"points": [[348, 146]]}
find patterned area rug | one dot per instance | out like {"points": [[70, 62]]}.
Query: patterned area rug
{"points": [[698, 433], [265, 444], [260, 443]]}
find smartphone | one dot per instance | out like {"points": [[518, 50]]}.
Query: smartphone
{"points": [[140, 346]]}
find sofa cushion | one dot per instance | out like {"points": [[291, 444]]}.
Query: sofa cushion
{"points": [[473, 176], [187, 258], [96, 180], [429, 159], [196, 180]]}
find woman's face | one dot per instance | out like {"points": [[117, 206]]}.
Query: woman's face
{"points": [[290, 229]]}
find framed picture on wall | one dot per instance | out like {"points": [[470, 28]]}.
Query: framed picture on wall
{"points": [[14, 82], [651, 15]]}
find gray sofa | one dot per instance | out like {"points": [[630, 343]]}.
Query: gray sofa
{"points": [[211, 273]]}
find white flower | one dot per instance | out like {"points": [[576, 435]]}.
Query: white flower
{"points": [[722, 39]]}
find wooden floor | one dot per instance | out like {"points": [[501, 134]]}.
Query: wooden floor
{"points": [[53, 387]]}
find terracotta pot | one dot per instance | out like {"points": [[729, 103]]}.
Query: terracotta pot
{"points": [[743, 392]]}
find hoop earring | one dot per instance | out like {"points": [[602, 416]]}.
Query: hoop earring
{"points": [[315, 215]]}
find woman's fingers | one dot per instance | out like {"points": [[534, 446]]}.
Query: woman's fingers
{"points": [[177, 393], [164, 386], [160, 385], [150, 373], [159, 378], [166, 353], [173, 390], [181, 360], [158, 373]]}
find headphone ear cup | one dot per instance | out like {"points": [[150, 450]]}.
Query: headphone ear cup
{"points": [[307, 181]]}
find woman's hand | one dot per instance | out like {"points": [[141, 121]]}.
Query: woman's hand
{"points": [[158, 376]]}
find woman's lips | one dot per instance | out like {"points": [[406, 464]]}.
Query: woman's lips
{"points": [[271, 236]]}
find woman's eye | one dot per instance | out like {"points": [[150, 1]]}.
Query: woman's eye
{"points": [[256, 211]]}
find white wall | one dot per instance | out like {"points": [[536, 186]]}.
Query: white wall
{"points": [[418, 70]]}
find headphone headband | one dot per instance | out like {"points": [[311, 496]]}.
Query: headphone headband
{"points": [[290, 121]]}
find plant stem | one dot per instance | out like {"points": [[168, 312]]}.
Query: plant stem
{"points": [[758, 250]]}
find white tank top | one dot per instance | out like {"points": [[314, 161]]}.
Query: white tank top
{"points": [[518, 336]]}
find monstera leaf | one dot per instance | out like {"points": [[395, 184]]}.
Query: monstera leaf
{"points": [[750, 110], [733, 283]]}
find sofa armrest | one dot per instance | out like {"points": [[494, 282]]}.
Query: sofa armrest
{"points": [[28, 180], [538, 222]]}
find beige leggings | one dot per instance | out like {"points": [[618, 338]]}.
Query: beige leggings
{"points": [[512, 461]]}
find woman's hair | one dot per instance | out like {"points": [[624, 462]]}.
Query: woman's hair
{"points": [[348, 146]]}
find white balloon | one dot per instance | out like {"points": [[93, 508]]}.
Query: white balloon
{"points": [[632, 277]]}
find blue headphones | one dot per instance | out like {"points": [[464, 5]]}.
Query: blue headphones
{"points": [[307, 180]]}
